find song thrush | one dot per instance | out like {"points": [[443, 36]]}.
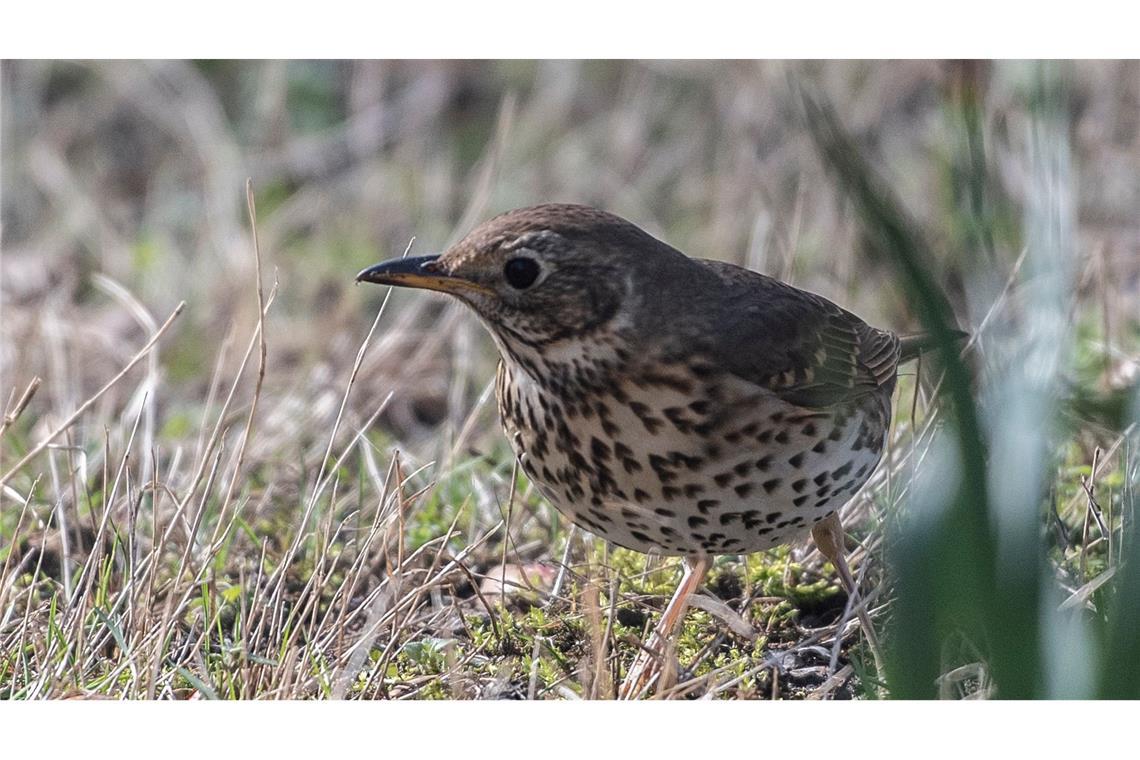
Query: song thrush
{"points": [[669, 404]]}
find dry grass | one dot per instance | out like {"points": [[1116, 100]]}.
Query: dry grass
{"points": [[274, 499]]}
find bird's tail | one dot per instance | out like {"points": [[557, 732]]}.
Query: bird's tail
{"points": [[917, 343]]}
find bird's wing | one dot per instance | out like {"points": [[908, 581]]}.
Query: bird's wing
{"points": [[799, 345]]}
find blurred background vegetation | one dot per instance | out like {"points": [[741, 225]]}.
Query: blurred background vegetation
{"points": [[998, 196]]}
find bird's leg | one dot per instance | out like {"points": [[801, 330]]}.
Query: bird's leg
{"points": [[647, 667], [828, 535]]}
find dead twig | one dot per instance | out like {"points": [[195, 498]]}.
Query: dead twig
{"points": [[17, 409]]}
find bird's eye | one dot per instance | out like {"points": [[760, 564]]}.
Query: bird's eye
{"points": [[521, 272]]}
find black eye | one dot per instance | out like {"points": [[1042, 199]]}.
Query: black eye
{"points": [[521, 272]]}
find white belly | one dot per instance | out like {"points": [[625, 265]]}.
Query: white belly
{"points": [[736, 471]]}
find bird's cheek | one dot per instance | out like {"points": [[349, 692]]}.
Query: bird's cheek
{"points": [[600, 306]]}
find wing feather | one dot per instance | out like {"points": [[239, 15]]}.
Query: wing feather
{"points": [[797, 344]]}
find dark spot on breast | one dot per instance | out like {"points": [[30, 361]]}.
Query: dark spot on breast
{"points": [[693, 489], [662, 467], [743, 489], [600, 450], [675, 383], [640, 496], [677, 458], [696, 522], [723, 479], [765, 437], [700, 406], [835, 434], [799, 500], [577, 461], [651, 423], [839, 472], [541, 446], [809, 429], [771, 485], [589, 522], [799, 485], [668, 493], [704, 505], [820, 479], [677, 416], [772, 517], [742, 469], [782, 436], [763, 463], [796, 460], [704, 429], [819, 447], [729, 517], [640, 536], [665, 512]]}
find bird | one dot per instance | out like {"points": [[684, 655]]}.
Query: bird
{"points": [[668, 404]]}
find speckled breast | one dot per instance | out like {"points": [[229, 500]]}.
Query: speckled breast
{"points": [[680, 462]]}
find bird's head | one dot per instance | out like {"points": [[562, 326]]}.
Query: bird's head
{"points": [[538, 276]]}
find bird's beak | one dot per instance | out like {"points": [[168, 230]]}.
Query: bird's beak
{"points": [[417, 272]]}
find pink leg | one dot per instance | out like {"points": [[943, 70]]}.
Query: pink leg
{"points": [[647, 667], [828, 535]]}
